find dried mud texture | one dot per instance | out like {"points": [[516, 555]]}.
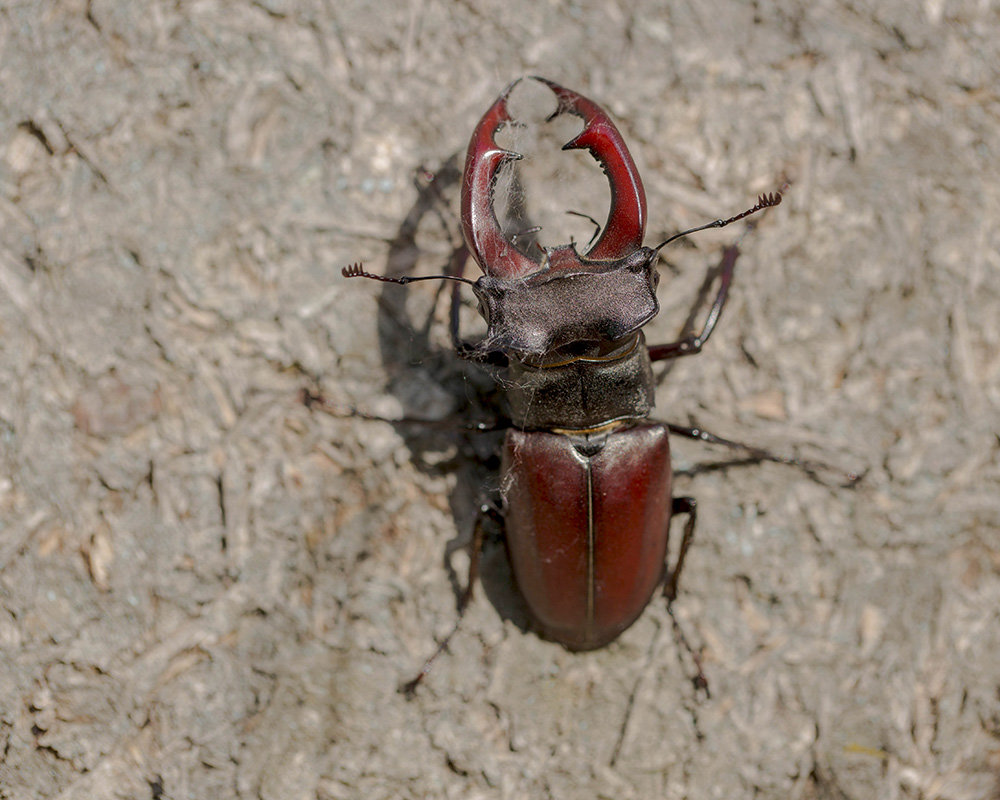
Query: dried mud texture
{"points": [[208, 589]]}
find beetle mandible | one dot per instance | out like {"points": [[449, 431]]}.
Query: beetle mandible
{"points": [[586, 500]]}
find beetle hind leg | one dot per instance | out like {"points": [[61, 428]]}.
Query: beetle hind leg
{"points": [[688, 506], [475, 550]]}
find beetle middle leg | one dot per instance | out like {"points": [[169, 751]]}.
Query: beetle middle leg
{"points": [[755, 455]]}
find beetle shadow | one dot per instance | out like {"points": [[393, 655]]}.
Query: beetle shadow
{"points": [[407, 344]]}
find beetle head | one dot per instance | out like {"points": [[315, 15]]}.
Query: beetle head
{"points": [[535, 308]]}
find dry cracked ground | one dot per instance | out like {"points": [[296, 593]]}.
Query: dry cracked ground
{"points": [[209, 589]]}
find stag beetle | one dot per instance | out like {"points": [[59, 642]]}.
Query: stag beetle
{"points": [[586, 499]]}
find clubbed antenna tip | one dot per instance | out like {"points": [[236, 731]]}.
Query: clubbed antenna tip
{"points": [[357, 271], [768, 200]]}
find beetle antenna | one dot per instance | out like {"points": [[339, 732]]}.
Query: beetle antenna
{"points": [[768, 200], [356, 271]]}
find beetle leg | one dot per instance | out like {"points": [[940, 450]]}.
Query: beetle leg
{"points": [[470, 351], [314, 400], [475, 551], [758, 454], [681, 505], [689, 506], [690, 345]]}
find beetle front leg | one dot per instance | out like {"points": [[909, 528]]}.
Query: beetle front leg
{"points": [[464, 348], [690, 345], [456, 268]]}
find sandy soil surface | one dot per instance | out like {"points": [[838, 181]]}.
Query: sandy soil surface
{"points": [[209, 590]]}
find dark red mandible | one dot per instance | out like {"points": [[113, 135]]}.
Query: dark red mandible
{"points": [[626, 223]]}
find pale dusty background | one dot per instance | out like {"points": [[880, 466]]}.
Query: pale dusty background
{"points": [[210, 591]]}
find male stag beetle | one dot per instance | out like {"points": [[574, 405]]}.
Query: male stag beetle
{"points": [[586, 499]]}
